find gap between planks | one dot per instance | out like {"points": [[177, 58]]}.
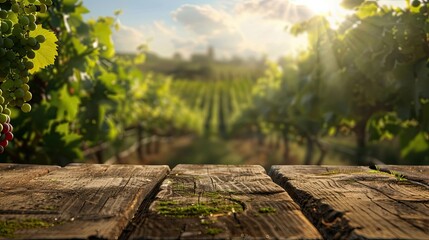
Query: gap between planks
{"points": [[76, 202], [246, 203], [356, 202], [342, 202]]}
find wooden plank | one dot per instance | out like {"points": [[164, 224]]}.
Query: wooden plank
{"points": [[12, 175], [413, 173], [356, 202], [222, 202], [78, 201]]}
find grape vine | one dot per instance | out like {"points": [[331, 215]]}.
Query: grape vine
{"points": [[18, 55], [369, 79], [89, 95]]}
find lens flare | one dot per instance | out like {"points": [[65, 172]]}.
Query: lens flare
{"points": [[318, 6], [330, 8]]}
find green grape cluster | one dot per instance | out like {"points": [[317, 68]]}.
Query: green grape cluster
{"points": [[17, 49], [423, 4]]}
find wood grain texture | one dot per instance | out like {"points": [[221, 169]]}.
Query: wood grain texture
{"points": [[78, 201], [414, 173], [356, 202], [241, 202], [12, 175]]}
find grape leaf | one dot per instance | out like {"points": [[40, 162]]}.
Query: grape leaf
{"points": [[366, 10], [64, 130], [45, 56], [67, 105], [417, 146], [102, 31]]}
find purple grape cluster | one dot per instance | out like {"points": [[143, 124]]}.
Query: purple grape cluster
{"points": [[6, 134]]}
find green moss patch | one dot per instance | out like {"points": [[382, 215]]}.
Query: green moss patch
{"points": [[399, 176], [9, 227], [214, 231], [208, 221], [395, 174], [267, 210], [206, 205], [377, 172]]}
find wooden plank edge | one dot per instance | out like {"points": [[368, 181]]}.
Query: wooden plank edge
{"points": [[28, 171], [17, 166], [317, 213], [194, 227], [127, 216], [400, 174], [143, 209]]}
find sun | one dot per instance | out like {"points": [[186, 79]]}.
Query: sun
{"points": [[320, 6], [330, 8]]}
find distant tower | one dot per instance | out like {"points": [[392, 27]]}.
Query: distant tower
{"points": [[177, 56], [210, 53]]}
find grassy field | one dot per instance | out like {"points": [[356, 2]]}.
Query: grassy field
{"points": [[212, 150]]}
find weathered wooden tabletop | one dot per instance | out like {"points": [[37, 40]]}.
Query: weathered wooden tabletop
{"points": [[213, 202]]}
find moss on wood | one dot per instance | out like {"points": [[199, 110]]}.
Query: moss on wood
{"points": [[9, 227], [267, 210], [208, 203], [214, 231]]}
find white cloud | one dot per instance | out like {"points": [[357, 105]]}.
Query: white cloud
{"points": [[157, 36], [274, 9], [207, 26], [127, 39], [202, 19], [243, 30], [270, 37]]}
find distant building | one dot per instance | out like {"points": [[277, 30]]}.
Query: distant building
{"points": [[211, 53], [178, 56], [208, 57]]}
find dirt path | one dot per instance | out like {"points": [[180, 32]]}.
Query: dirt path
{"points": [[200, 150]]}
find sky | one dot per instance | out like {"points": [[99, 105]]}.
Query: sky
{"points": [[245, 28]]}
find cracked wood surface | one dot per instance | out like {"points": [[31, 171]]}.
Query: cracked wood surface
{"points": [[78, 201], [414, 173], [359, 203], [222, 202], [214, 202]]}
